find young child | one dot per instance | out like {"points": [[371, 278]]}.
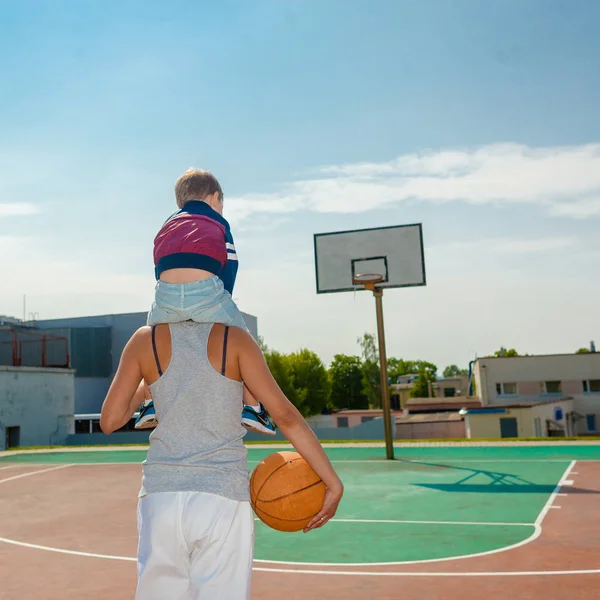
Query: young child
{"points": [[195, 266]]}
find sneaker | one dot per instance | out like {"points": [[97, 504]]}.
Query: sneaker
{"points": [[257, 420], [147, 417]]}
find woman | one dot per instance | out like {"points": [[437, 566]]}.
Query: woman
{"points": [[195, 523]]}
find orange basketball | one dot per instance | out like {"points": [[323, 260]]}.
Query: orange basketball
{"points": [[285, 492]]}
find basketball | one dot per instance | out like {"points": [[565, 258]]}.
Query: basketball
{"points": [[285, 492]]}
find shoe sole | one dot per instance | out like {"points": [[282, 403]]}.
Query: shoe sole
{"points": [[146, 423], [257, 427]]}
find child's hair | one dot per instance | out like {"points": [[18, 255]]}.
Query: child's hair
{"points": [[196, 184]]}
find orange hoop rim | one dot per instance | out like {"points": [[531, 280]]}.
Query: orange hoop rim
{"points": [[367, 280]]}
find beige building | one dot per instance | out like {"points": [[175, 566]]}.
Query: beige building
{"points": [[448, 388], [527, 420], [515, 383]]}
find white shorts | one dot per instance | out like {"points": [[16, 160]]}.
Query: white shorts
{"points": [[194, 546]]}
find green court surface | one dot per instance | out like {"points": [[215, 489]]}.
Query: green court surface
{"points": [[430, 503]]}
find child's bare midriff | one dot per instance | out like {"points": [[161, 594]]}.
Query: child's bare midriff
{"points": [[185, 275]]}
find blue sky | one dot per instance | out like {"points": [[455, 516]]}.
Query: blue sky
{"points": [[477, 119]]}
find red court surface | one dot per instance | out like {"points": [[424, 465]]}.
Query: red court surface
{"points": [[69, 531]]}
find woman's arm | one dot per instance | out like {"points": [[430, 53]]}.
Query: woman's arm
{"points": [[127, 390], [257, 377]]}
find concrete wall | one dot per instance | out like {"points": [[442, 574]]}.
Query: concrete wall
{"points": [[90, 393], [38, 400], [487, 425], [430, 430], [373, 430], [355, 417]]}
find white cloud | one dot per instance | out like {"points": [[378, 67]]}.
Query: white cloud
{"points": [[580, 209], [565, 180], [22, 209]]}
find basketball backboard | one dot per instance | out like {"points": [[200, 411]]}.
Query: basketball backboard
{"points": [[395, 253]]}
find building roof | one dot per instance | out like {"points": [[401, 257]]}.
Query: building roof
{"points": [[431, 418], [535, 356], [531, 404]]}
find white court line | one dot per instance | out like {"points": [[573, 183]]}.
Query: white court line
{"points": [[537, 532], [62, 551], [534, 536], [431, 574], [34, 473], [9, 467], [548, 504], [316, 572], [462, 523], [568, 482]]}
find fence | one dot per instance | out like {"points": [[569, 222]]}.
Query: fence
{"points": [[33, 348]]}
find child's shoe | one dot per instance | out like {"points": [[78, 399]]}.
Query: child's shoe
{"points": [[257, 419], [147, 417]]}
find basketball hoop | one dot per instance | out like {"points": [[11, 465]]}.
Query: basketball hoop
{"points": [[367, 280]]}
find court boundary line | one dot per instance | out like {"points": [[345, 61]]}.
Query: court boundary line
{"points": [[318, 572], [537, 532], [30, 473]]}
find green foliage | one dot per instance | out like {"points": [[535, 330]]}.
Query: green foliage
{"points": [[280, 367], [345, 373], [310, 381], [425, 376], [371, 383], [583, 351], [397, 367], [507, 353], [368, 347], [454, 371], [429, 368]]}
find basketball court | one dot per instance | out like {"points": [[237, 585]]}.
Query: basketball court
{"points": [[500, 519]]}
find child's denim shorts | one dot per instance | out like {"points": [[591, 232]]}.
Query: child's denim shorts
{"points": [[204, 301]]}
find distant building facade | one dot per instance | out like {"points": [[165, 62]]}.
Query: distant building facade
{"points": [[569, 381]]}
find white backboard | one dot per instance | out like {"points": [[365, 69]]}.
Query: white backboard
{"points": [[395, 252]]}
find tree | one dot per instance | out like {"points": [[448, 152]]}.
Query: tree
{"points": [[421, 387], [279, 365], [583, 351], [454, 371], [370, 370], [397, 367], [429, 368], [310, 382], [345, 373], [505, 352]]}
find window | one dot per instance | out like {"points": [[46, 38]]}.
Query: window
{"points": [[591, 422], [449, 392], [366, 419], [537, 423], [591, 386], [551, 387], [342, 421], [506, 389]]}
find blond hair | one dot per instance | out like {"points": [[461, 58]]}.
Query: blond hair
{"points": [[196, 184]]}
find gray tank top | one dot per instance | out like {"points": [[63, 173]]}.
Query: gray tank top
{"points": [[198, 443]]}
